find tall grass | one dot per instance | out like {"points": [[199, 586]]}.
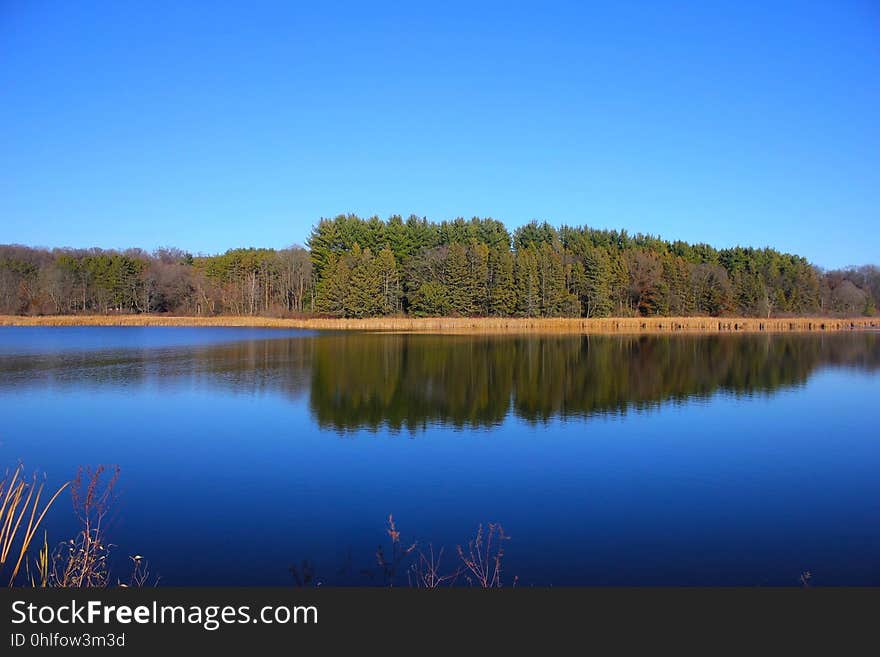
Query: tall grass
{"points": [[79, 562], [20, 499], [483, 556], [474, 325]]}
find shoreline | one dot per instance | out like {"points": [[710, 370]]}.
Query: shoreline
{"points": [[472, 325]]}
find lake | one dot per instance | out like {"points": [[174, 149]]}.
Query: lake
{"points": [[620, 460]]}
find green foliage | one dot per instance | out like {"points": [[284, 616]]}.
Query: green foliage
{"points": [[358, 267], [594, 282], [501, 286], [526, 280], [333, 289], [431, 299], [389, 282], [364, 294], [534, 234], [478, 273], [552, 280], [459, 281]]}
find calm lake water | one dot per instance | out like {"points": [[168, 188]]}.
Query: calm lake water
{"points": [[609, 460]]}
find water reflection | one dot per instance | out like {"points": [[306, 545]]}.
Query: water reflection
{"points": [[370, 381], [408, 381]]}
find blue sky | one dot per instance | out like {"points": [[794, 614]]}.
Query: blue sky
{"points": [[215, 125]]}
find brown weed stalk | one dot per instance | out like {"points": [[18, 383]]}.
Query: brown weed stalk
{"points": [[484, 555], [81, 562], [140, 573], [426, 572], [390, 564]]}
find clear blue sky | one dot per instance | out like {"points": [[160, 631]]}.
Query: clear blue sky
{"points": [[214, 125]]}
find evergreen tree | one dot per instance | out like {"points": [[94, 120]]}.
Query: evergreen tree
{"points": [[596, 283], [619, 284], [502, 290], [459, 281], [323, 245], [333, 288], [431, 299], [389, 282], [534, 234], [365, 288], [478, 260], [399, 240], [551, 277], [528, 291]]}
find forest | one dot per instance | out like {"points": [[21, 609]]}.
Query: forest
{"points": [[355, 267]]}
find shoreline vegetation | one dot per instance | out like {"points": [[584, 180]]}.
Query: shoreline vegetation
{"points": [[83, 561], [471, 325], [78, 562]]}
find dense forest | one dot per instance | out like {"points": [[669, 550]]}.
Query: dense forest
{"points": [[354, 267]]}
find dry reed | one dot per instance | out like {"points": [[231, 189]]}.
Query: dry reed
{"points": [[20, 499], [474, 325], [426, 572], [484, 556], [390, 564]]}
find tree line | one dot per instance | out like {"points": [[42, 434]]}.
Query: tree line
{"points": [[354, 267]]}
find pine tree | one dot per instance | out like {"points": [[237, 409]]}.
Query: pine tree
{"points": [[431, 299], [389, 282], [398, 239], [478, 260], [528, 292], [595, 291], [364, 298], [619, 283], [551, 280], [323, 244], [502, 290], [459, 281], [333, 288]]}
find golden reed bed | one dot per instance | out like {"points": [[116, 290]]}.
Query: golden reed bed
{"points": [[462, 325]]}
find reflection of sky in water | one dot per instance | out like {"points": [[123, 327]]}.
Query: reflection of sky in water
{"points": [[65, 339], [231, 482]]}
